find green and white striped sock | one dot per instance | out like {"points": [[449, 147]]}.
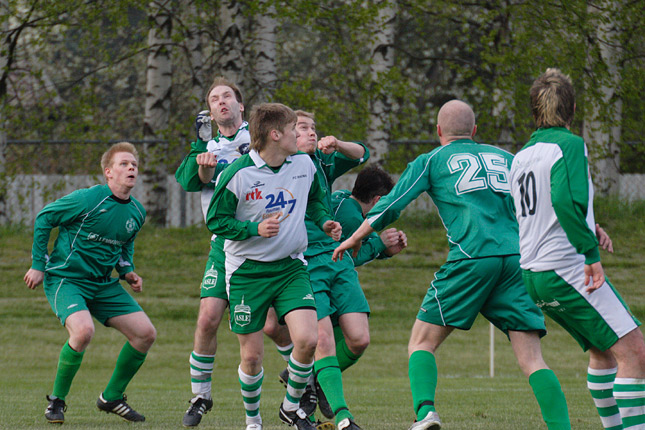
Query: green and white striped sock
{"points": [[601, 386], [251, 391], [201, 369], [630, 398], [299, 374]]}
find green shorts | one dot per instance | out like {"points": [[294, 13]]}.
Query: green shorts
{"points": [[598, 319], [491, 286], [254, 286], [103, 300], [335, 286], [214, 280]]}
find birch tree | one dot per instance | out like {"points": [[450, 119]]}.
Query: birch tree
{"points": [[264, 52], [382, 60], [232, 58], [157, 110]]}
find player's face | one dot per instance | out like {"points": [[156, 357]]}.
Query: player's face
{"points": [[288, 139], [308, 138], [124, 170], [225, 109]]}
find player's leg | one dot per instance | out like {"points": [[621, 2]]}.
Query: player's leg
{"points": [[279, 334], [68, 303], [545, 385], [422, 371], [601, 374], [251, 374], [354, 340], [141, 334], [510, 308], [629, 385]]}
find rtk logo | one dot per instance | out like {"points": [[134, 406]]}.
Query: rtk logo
{"points": [[254, 195]]}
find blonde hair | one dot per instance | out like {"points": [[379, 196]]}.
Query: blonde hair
{"points": [[553, 99], [266, 117], [108, 156], [305, 114]]}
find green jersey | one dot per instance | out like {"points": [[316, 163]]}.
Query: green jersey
{"points": [[468, 182], [349, 214], [96, 232], [329, 167]]}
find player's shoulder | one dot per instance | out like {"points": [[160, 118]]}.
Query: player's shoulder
{"points": [[138, 206]]}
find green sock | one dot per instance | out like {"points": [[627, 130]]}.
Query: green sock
{"points": [[422, 370], [550, 397], [69, 361], [331, 381], [127, 365], [346, 358]]}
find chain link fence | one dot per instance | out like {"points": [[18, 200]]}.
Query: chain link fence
{"points": [[38, 172]]}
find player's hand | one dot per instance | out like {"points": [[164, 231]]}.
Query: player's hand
{"points": [[390, 237], [604, 241], [270, 227], [34, 278], [206, 159], [400, 244], [350, 243], [328, 144], [333, 229], [203, 127], [135, 281], [594, 275]]}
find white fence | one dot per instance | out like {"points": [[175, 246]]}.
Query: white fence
{"points": [[28, 194]]}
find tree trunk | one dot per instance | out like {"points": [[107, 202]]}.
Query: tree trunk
{"points": [[603, 114], [196, 55], [4, 71], [382, 60], [232, 57], [264, 53], [158, 87]]}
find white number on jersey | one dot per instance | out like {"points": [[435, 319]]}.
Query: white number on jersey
{"points": [[496, 168]]}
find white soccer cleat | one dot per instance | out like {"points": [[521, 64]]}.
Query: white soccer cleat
{"points": [[430, 422], [254, 427]]}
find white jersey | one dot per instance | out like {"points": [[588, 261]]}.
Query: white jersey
{"points": [[553, 197], [227, 150], [250, 191]]}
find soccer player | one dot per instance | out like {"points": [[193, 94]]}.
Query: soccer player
{"points": [[468, 183], [336, 288], [553, 194], [197, 173], [259, 207], [96, 231], [350, 208]]}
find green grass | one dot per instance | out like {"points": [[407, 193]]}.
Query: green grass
{"points": [[377, 388]]}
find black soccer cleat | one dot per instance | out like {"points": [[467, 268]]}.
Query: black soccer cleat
{"points": [[55, 412], [198, 407], [309, 400], [348, 424], [323, 404], [283, 377], [297, 419], [120, 408]]}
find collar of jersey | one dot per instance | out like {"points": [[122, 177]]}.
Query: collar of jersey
{"points": [[244, 126], [260, 163]]}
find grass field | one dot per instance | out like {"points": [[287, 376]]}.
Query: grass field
{"points": [[377, 388]]}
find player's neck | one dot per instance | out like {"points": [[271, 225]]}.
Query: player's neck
{"points": [[229, 129], [121, 192]]}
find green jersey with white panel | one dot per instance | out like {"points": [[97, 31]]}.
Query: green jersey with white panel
{"points": [[96, 234], [468, 182]]}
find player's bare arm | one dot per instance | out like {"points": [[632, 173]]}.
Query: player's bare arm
{"points": [[594, 275], [604, 241], [333, 229], [135, 281], [206, 162], [269, 227], [353, 242], [329, 144], [33, 278]]}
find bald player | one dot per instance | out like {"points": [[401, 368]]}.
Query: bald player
{"points": [[468, 183]]}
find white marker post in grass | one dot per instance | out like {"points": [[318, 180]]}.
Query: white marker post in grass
{"points": [[491, 349]]}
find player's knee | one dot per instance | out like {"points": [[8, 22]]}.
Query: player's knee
{"points": [[81, 337], [252, 359], [207, 323], [358, 344], [149, 335]]}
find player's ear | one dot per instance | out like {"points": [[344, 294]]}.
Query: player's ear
{"points": [[474, 131], [275, 134]]}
